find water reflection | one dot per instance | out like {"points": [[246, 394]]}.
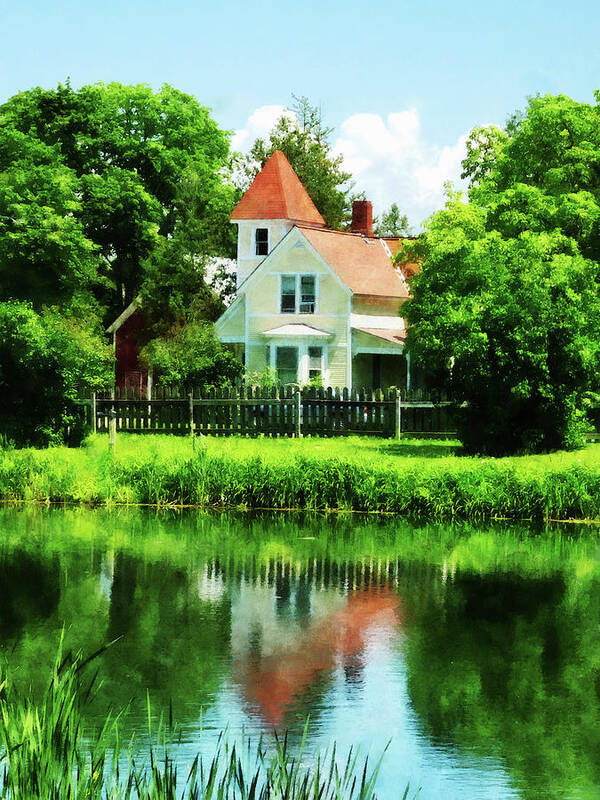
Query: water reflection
{"points": [[276, 659], [477, 652]]}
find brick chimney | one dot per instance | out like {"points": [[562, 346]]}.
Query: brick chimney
{"points": [[362, 217]]}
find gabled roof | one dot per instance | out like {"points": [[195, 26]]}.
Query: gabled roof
{"points": [[362, 263], [277, 193], [124, 315]]}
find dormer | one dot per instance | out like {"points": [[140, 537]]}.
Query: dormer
{"points": [[274, 203]]}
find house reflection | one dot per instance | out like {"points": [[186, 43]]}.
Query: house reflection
{"points": [[290, 635]]}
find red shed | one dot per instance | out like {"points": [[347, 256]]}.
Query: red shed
{"points": [[129, 372]]}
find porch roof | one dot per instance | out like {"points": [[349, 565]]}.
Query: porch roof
{"points": [[388, 334], [295, 330]]}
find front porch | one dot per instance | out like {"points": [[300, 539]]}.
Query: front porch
{"points": [[378, 358], [380, 371]]}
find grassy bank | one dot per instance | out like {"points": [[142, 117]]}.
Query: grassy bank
{"points": [[427, 479], [46, 753]]}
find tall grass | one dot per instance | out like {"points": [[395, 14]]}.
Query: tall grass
{"points": [[46, 754], [168, 473]]}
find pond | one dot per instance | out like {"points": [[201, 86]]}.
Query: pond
{"points": [[473, 650]]}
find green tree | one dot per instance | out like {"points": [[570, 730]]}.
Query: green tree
{"points": [[46, 361], [175, 290], [190, 355], [146, 163], [506, 310], [392, 223], [305, 141], [45, 255]]}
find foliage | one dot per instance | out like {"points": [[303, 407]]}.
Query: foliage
{"points": [[190, 356], [265, 379], [506, 310], [351, 475], [130, 168], [304, 138], [46, 360], [45, 254], [45, 753], [392, 223], [221, 275], [175, 290]]}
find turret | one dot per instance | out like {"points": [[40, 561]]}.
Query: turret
{"points": [[274, 203]]}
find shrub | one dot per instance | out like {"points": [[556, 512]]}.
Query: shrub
{"points": [[191, 355], [46, 361]]}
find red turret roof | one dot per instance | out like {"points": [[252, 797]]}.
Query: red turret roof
{"points": [[277, 193]]}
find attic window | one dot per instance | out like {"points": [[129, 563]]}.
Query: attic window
{"points": [[261, 238]]}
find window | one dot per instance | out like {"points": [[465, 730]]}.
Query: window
{"points": [[307, 294], [287, 364], [315, 363], [261, 238], [298, 362], [288, 294], [298, 294]]}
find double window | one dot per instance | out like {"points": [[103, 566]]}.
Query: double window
{"points": [[298, 294], [261, 241]]}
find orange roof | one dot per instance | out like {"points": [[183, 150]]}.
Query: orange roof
{"points": [[361, 262], [278, 193], [395, 244]]}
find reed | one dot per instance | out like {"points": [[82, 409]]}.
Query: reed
{"points": [[166, 471], [46, 753]]}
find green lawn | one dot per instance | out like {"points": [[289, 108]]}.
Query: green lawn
{"points": [[426, 478], [362, 450]]}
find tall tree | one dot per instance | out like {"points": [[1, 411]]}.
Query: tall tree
{"points": [[506, 309], [392, 223], [45, 255], [305, 140], [145, 162]]}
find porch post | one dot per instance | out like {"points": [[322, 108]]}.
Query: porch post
{"points": [[408, 372]]}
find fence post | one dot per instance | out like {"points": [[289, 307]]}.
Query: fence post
{"points": [[398, 414], [191, 407], [93, 412], [298, 413], [112, 429]]}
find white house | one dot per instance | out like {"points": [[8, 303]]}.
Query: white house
{"points": [[313, 302]]}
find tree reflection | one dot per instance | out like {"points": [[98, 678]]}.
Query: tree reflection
{"points": [[502, 643], [509, 665], [29, 590], [171, 641]]}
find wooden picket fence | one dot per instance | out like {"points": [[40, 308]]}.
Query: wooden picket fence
{"points": [[284, 411]]}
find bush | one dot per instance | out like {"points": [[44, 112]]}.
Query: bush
{"points": [[46, 361], [191, 355]]}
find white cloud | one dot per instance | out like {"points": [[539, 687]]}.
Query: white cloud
{"points": [[258, 125], [391, 162], [388, 158]]}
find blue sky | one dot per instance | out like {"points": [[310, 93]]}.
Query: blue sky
{"points": [[438, 68]]}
